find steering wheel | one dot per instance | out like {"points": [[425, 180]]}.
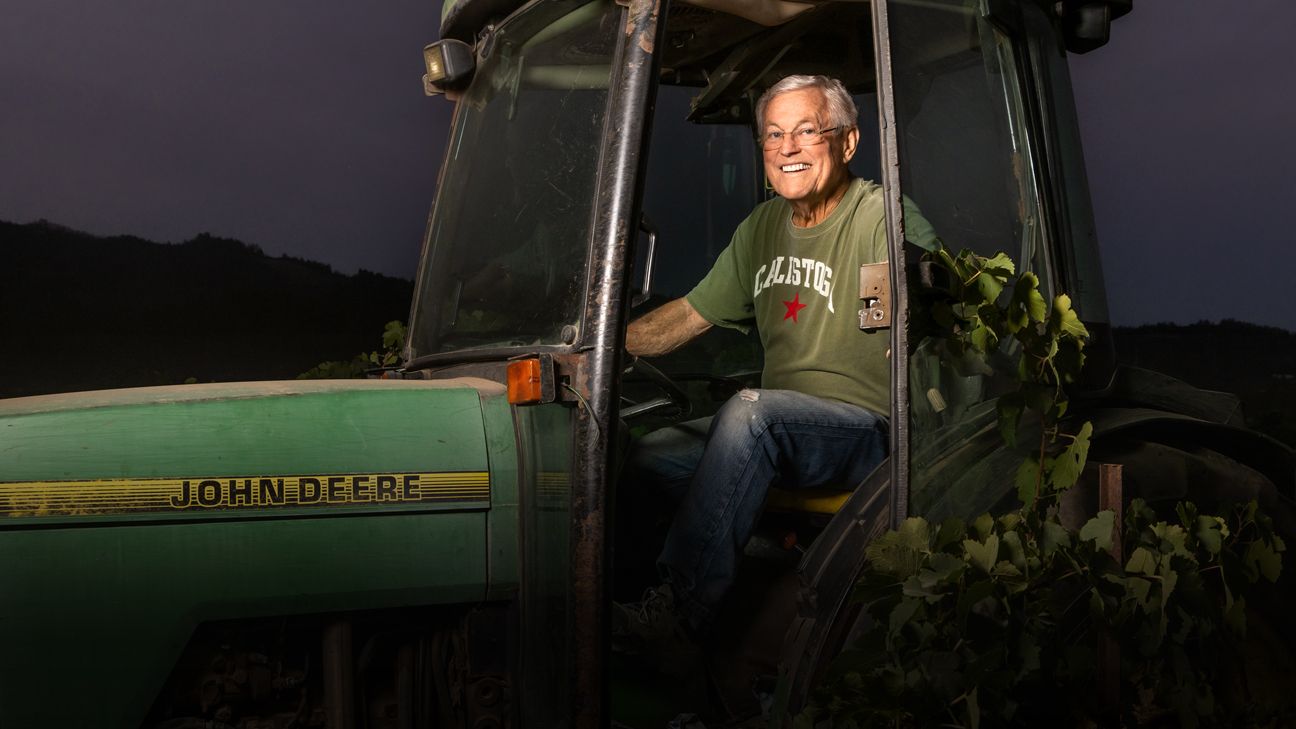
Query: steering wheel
{"points": [[671, 395]]}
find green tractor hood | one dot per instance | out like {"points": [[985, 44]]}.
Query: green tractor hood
{"points": [[129, 517], [245, 449]]}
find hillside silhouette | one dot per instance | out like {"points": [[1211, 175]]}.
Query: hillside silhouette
{"points": [[83, 312], [1256, 363]]}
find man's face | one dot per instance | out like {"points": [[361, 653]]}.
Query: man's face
{"points": [[806, 174]]}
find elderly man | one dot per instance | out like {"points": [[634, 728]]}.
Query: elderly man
{"points": [[819, 419]]}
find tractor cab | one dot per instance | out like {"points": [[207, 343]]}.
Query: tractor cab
{"points": [[600, 158]]}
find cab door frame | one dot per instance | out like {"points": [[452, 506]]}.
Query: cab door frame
{"points": [[890, 169], [598, 361]]}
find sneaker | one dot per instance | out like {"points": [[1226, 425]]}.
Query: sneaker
{"points": [[650, 620], [653, 630]]}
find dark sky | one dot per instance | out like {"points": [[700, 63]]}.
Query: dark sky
{"points": [[301, 127], [1188, 118]]}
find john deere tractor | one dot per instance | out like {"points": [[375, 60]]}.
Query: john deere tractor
{"points": [[433, 547]]}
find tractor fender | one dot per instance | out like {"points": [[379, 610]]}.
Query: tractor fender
{"points": [[1275, 460]]}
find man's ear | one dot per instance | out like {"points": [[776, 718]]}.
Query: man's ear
{"points": [[850, 142]]}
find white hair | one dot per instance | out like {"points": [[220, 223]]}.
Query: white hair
{"points": [[841, 107]]}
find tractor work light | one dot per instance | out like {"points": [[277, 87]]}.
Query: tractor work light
{"points": [[449, 65]]}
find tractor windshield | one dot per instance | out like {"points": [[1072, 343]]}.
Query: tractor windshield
{"points": [[504, 263]]}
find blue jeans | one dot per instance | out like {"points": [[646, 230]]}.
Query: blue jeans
{"points": [[720, 469]]}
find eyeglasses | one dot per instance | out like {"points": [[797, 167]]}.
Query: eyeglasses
{"points": [[804, 137]]}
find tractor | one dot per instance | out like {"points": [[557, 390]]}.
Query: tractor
{"points": [[433, 545]]}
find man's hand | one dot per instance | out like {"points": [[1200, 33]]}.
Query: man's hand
{"points": [[665, 329]]}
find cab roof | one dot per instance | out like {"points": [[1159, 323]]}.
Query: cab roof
{"points": [[729, 55]]}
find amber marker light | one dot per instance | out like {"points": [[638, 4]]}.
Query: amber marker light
{"points": [[524, 382]]}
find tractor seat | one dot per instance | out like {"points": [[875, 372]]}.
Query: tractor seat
{"points": [[807, 501]]}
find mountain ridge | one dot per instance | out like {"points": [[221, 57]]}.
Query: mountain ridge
{"points": [[80, 312]]}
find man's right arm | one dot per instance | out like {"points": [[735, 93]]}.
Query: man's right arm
{"points": [[665, 329]]}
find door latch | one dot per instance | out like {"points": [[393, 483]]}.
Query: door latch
{"points": [[875, 294]]}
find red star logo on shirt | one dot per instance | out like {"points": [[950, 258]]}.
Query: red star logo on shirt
{"points": [[793, 307]]}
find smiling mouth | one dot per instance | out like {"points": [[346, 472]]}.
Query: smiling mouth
{"points": [[796, 167]]}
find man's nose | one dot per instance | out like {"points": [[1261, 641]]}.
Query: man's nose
{"points": [[789, 146]]}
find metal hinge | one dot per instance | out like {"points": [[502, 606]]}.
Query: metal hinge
{"points": [[875, 292]]}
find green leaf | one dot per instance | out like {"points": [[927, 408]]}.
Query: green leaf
{"points": [[951, 531], [967, 362], [1000, 265], [982, 555], [944, 567], [1141, 590], [1099, 530], [988, 286], [1056, 537], [917, 587], [915, 532], [1066, 471], [1142, 562], [983, 526], [1009, 573], [901, 615], [1173, 539], [1027, 480], [981, 338], [1210, 532], [1137, 514], [1096, 606], [1063, 319], [992, 316], [932, 583], [1263, 560], [1016, 552], [1010, 521], [1026, 305], [393, 334], [900, 552]]}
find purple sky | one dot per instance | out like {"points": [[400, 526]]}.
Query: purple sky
{"points": [[298, 126], [1188, 118], [302, 127]]}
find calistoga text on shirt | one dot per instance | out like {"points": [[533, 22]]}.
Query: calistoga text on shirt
{"points": [[793, 271]]}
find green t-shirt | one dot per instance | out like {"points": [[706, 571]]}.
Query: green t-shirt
{"points": [[800, 287]]}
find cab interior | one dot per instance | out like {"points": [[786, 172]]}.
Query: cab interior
{"points": [[965, 149]]}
